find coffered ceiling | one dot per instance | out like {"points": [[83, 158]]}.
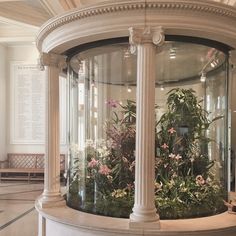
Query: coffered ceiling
{"points": [[20, 19]]}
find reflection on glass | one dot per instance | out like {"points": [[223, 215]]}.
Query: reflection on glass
{"points": [[190, 132]]}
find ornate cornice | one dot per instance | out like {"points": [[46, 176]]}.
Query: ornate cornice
{"points": [[197, 6]]}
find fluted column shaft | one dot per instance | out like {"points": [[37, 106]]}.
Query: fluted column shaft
{"points": [[52, 195], [144, 210], [145, 140]]}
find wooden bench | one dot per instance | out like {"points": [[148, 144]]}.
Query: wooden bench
{"points": [[25, 166]]}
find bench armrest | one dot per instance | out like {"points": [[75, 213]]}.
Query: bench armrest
{"points": [[4, 164]]}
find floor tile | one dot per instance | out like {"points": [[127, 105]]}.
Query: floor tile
{"points": [[17, 214]]}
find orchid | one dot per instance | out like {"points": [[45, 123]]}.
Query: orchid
{"points": [[119, 193], [164, 146], [104, 170], [112, 103], [172, 156], [172, 130], [93, 163], [200, 180], [177, 157]]}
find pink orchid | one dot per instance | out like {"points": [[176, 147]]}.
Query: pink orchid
{"points": [[129, 187], [172, 156], [104, 170], [112, 103], [178, 157], [164, 146], [93, 163], [172, 130], [165, 165], [200, 180]]}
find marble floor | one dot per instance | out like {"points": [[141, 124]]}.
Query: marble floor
{"points": [[18, 216]]}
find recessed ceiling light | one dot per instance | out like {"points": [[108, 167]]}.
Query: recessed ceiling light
{"points": [[173, 53], [203, 77], [129, 90]]}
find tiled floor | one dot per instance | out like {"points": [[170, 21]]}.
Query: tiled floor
{"points": [[17, 214]]}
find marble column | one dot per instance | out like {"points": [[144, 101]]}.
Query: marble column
{"points": [[51, 196], [145, 42]]}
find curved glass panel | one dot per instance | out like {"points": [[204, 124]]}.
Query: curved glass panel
{"points": [[191, 114]]}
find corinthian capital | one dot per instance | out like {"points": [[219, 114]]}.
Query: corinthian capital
{"points": [[146, 35], [53, 60]]}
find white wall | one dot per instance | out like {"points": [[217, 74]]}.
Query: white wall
{"points": [[2, 102]]}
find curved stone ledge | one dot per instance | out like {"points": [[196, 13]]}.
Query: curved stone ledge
{"points": [[66, 221]]}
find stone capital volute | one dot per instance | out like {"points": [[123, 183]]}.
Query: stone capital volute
{"points": [[52, 60], [146, 35]]}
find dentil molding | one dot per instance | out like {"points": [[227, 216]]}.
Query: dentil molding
{"points": [[217, 14]]}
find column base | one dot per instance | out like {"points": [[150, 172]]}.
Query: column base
{"points": [[145, 219], [144, 225], [50, 201]]}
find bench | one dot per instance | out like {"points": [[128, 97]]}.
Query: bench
{"points": [[25, 166]]}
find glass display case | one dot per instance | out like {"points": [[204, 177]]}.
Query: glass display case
{"points": [[191, 129]]}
